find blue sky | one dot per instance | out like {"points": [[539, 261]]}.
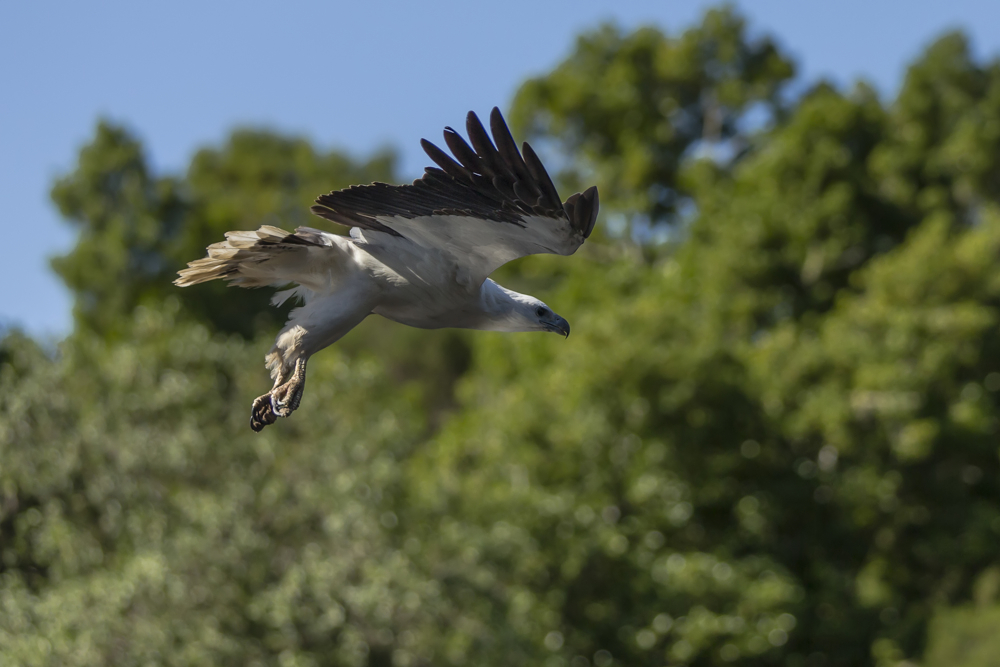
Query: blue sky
{"points": [[354, 75]]}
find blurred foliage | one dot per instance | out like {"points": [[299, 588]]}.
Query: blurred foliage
{"points": [[775, 443], [631, 108], [144, 524], [126, 218], [964, 637]]}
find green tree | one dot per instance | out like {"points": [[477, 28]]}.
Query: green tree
{"points": [[143, 523], [629, 108], [775, 445], [125, 217]]}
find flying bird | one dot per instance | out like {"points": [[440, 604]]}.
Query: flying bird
{"points": [[418, 254]]}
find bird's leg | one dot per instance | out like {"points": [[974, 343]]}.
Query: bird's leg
{"points": [[285, 398], [281, 400]]}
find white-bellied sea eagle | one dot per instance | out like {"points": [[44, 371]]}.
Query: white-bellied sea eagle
{"points": [[418, 254]]}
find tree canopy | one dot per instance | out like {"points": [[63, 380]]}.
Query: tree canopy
{"points": [[772, 438]]}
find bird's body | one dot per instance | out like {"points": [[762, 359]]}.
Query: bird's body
{"points": [[418, 254]]}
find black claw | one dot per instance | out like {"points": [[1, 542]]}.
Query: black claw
{"points": [[262, 413]]}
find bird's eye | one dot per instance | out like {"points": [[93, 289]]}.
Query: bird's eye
{"points": [[541, 312]]}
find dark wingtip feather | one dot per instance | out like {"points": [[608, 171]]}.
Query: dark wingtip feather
{"points": [[541, 177], [498, 126], [570, 206], [477, 133], [463, 152], [581, 209], [595, 204], [510, 156], [443, 160], [483, 145], [504, 140]]}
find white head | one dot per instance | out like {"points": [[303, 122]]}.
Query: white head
{"points": [[511, 311]]}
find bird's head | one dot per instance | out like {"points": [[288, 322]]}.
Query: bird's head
{"points": [[540, 317], [511, 311], [549, 321]]}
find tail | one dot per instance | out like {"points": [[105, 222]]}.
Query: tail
{"points": [[268, 256]]}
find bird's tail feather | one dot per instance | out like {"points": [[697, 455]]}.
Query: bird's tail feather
{"points": [[253, 259]]}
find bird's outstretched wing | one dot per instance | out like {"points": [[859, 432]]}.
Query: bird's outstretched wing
{"points": [[488, 206]]}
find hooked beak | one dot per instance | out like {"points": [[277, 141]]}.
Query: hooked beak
{"points": [[557, 325]]}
